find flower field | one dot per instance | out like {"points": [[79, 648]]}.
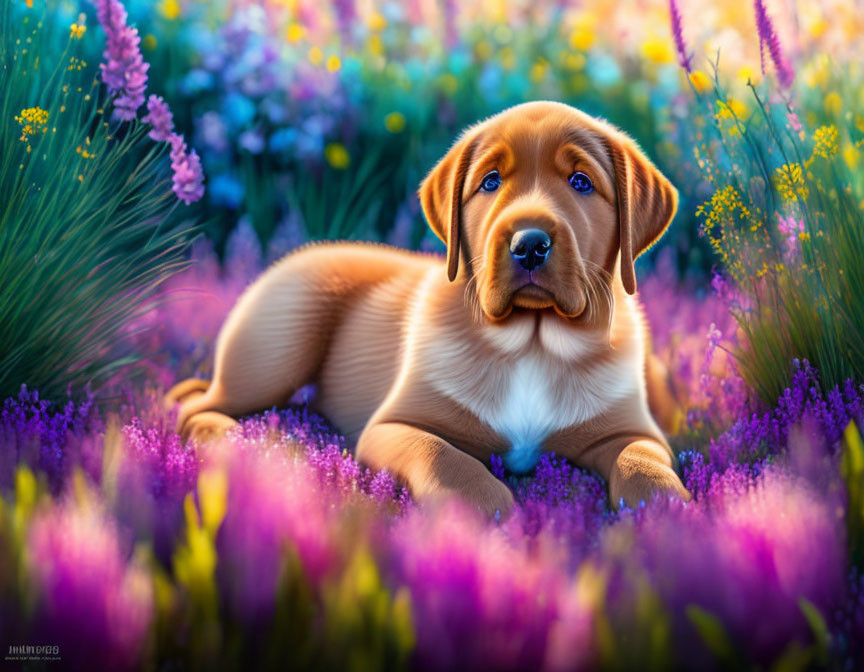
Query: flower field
{"points": [[157, 156]]}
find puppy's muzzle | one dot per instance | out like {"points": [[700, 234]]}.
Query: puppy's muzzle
{"points": [[530, 248]]}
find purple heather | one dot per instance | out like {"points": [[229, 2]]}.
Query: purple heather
{"points": [[188, 174], [684, 59], [124, 70], [768, 38], [160, 118]]}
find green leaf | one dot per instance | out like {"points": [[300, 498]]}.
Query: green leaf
{"points": [[821, 634], [713, 634]]}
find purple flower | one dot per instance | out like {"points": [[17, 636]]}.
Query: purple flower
{"points": [[346, 15], [188, 175], [91, 604], [49, 437], [768, 37], [124, 70], [160, 118], [678, 34]]}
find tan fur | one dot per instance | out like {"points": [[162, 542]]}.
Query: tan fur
{"points": [[434, 366]]}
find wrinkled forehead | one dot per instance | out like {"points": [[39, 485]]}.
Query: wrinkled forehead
{"points": [[532, 138]]}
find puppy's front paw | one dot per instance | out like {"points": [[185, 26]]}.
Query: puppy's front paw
{"points": [[207, 426], [487, 494]]}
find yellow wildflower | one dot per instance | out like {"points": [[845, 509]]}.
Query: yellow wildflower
{"points": [[32, 120], [316, 56], [337, 155], [851, 155], [334, 63], [747, 73], [77, 30], [700, 81], [294, 33], [483, 50], [377, 22], [394, 122], [658, 50], [833, 103], [170, 9], [826, 141], [582, 39], [538, 70], [789, 181], [574, 62]]}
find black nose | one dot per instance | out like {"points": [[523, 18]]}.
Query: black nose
{"points": [[530, 247]]}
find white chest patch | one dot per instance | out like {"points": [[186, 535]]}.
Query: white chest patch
{"points": [[528, 397], [527, 415]]}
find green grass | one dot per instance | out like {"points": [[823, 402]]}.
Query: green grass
{"points": [[87, 230]]}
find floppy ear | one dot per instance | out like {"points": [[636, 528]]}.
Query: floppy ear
{"points": [[647, 202], [441, 199]]}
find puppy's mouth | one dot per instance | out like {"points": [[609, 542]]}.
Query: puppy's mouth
{"points": [[533, 297]]}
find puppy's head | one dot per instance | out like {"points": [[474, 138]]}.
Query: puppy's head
{"points": [[541, 204]]}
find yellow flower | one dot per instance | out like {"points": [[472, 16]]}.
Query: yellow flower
{"points": [[538, 71], [295, 32], [700, 81], [747, 73], [32, 120], [582, 39], [395, 122], [170, 9], [77, 30], [337, 155], [826, 141], [789, 181], [508, 58], [851, 155], [574, 62], [833, 103], [375, 45], [334, 63], [212, 496], [316, 56], [377, 22], [658, 51]]}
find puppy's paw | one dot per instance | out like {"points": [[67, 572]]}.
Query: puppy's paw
{"points": [[492, 497], [185, 391], [207, 426]]}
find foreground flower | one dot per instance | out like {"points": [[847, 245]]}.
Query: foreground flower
{"points": [[124, 70], [94, 606]]}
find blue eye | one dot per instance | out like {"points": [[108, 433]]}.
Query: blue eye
{"points": [[581, 183], [491, 181]]}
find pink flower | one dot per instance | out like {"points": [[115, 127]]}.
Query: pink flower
{"points": [[96, 607], [124, 70], [791, 229], [160, 118], [188, 174]]}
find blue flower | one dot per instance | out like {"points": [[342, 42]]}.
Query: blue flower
{"points": [[238, 110], [226, 190], [283, 139]]}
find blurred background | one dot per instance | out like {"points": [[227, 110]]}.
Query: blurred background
{"points": [[319, 118]]}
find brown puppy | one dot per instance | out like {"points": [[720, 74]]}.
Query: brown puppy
{"points": [[528, 337]]}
